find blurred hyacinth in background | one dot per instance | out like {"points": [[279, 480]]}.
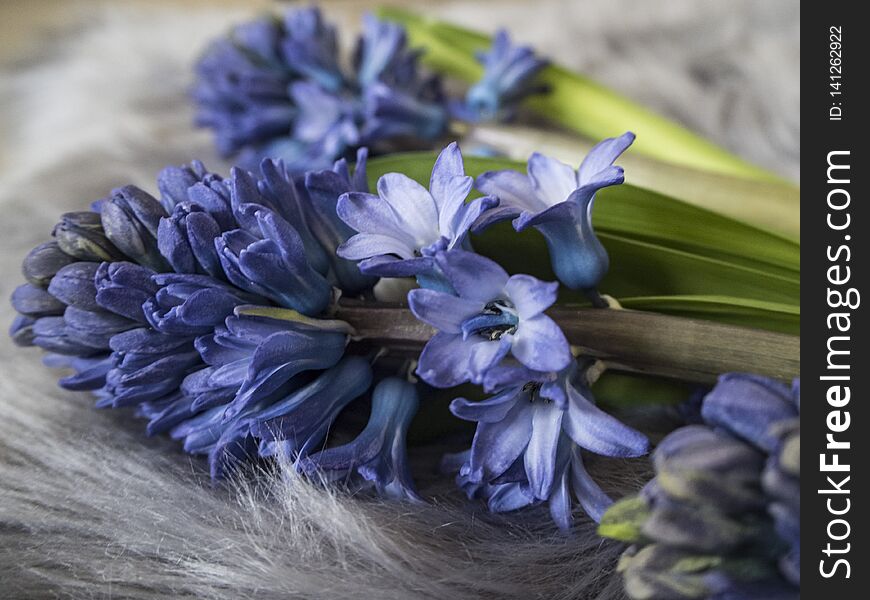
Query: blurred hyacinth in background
{"points": [[277, 88], [721, 518]]}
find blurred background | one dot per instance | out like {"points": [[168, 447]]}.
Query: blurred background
{"points": [[729, 70]]}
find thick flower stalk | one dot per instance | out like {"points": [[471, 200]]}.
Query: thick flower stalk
{"points": [[722, 516], [276, 88], [509, 76], [557, 200], [403, 227]]}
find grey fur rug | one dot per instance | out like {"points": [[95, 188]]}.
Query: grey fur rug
{"points": [[90, 508]]}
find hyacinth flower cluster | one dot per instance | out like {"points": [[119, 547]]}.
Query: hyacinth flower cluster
{"points": [[206, 313], [276, 88], [721, 518]]}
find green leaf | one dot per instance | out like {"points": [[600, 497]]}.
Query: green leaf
{"points": [[577, 102]]}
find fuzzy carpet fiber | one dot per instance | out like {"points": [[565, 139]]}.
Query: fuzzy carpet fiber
{"points": [[90, 508]]}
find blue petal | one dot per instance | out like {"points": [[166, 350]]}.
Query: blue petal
{"points": [[497, 445], [599, 432], [490, 410], [531, 296], [508, 497], [34, 301], [389, 266], [74, 285], [602, 156], [485, 355], [279, 358], [540, 455], [442, 311], [552, 180], [473, 276], [449, 187], [444, 360], [560, 503], [747, 405], [576, 254], [590, 495], [540, 344], [514, 190], [368, 245], [413, 205]]}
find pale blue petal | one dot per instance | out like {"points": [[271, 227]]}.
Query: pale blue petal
{"points": [[512, 188], [540, 344], [590, 495], [490, 410], [473, 276], [413, 204], [552, 180], [595, 430], [442, 311], [485, 355], [530, 295], [560, 503], [602, 156], [444, 362], [497, 445], [367, 245], [540, 456]]}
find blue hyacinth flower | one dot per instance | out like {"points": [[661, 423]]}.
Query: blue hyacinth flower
{"points": [[276, 89], [323, 189], [405, 225], [123, 288], [187, 350], [190, 305], [89, 372], [130, 218], [175, 181], [268, 259], [526, 448], [147, 365], [378, 455], [297, 424], [509, 74], [557, 201], [186, 240], [491, 316], [260, 356], [310, 47]]}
